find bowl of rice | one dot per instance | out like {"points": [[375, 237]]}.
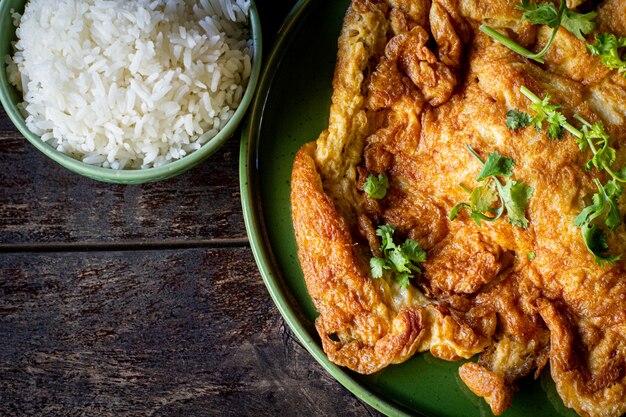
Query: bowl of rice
{"points": [[128, 91]]}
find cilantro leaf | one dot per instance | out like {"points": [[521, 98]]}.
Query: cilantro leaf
{"points": [[597, 136], [376, 186], [596, 239], [403, 279], [596, 242], [404, 255], [596, 131], [555, 126], [401, 259], [613, 192], [604, 205], [398, 260], [547, 14], [583, 145], [546, 112], [483, 199], [385, 232], [604, 157], [515, 197], [496, 165], [531, 256], [377, 265], [607, 47], [516, 119], [413, 251], [540, 13], [589, 213], [579, 24]]}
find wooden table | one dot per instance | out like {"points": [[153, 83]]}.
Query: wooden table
{"points": [[143, 300]]}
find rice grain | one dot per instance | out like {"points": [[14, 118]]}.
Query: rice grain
{"points": [[130, 84]]}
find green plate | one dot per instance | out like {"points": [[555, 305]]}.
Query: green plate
{"points": [[291, 108]]}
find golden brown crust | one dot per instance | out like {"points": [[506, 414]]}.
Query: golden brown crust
{"points": [[590, 380], [489, 385], [371, 333], [415, 82], [520, 345], [350, 308], [611, 17]]}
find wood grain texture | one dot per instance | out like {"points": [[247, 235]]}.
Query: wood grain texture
{"points": [[92, 324], [185, 332], [41, 202]]}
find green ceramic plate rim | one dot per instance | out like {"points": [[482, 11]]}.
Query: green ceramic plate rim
{"points": [[149, 174], [252, 212]]}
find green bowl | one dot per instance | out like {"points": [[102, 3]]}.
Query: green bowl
{"points": [[10, 97]]}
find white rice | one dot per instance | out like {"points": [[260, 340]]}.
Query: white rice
{"points": [[130, 84]]}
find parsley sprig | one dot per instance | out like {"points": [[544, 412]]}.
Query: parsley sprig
{"points": [[376, 186], [402, 260], [513, 196], [607, 46], [546, 14], [604, 207]]}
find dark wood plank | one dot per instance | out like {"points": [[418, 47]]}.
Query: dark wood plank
{"points": [[41, 202], [187, 332]]}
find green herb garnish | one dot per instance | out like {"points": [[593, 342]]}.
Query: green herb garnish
{"points": [[549, 113], [592, 137], [540, 13], [579, 24], [604, 208], [516, 119], [495, 165], [512, 195], [531, 256], [401, 259], [546, 14], [544, 112], [596, 137], [376, 186], [607, 46], [516, 196]]}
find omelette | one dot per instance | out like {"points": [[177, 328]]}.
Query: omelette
{"points": [[421, 98]]}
